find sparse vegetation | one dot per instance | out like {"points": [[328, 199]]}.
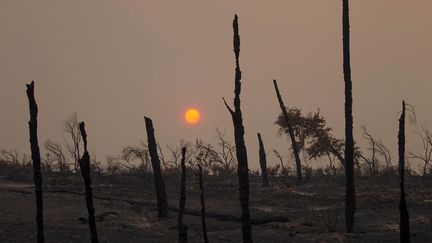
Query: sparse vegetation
{"points": [[284, 203]]}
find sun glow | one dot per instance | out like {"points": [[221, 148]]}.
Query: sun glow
{"points": [[192, 116]]}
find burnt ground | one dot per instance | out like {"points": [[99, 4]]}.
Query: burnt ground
{"points": [[125, 208]]}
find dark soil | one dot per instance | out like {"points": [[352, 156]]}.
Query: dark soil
{"points": [[125, 210]]}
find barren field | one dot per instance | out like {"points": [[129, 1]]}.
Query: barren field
{"points": [[125, 210]]}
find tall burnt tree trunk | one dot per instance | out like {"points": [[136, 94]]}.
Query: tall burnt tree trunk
{"points": [[242, 167], [157, 173], [203, 213], [36, 161], [84, 164], [404, 227], [291, 133], [263, 162], [181, 227], [350, 199]]}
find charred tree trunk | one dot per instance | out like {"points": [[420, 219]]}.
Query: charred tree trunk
{"points": [[291, 133], [350, 199], [242, 168], [157, 173], [404, 227], [84, 164], [203, 213], [263, 162], [182, 228], [35, 153]]}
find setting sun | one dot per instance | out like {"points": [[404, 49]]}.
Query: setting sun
{"points": [[192, 116]]}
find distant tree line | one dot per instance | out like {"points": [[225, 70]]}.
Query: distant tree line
{"points": [[314, 137]]}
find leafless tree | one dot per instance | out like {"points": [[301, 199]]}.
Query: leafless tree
{"points": [[47, 164], [242, 165], [34, 145], [15, 161], [182, 228], [372, 161], [284, 169], [404, 226], [175, 151], [56, 150], [202, 156], [426, 155], [11, 156], [386, 158], [162, 201], [84, 164], [350, 198], [96, 164], [139, 152], [263, 161], [114, 165], [379, 160], [221, 159], [72, 138], [202, 200]]}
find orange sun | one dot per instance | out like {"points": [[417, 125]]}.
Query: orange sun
{"points": [[192, 116]]}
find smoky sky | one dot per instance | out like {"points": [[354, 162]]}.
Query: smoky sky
{"points": [[112, 62]]}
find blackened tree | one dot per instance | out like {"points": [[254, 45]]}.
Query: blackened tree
{"points": [[162, 201], [404, 228], [34, 145], [263, 162], [350, 198], [242, 166]]}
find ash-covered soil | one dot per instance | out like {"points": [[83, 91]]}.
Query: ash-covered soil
{"points": [[125, 210]]}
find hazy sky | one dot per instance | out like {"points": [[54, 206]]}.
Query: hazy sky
{"points": [[113, 62]]}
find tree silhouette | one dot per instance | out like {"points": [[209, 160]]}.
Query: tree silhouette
{"points": [[34, 144], [404, 228], [220, 159], [242, 167], [140, 152], [72, 130], [203, 212], [291, 133], [350, 198], [379, 160], [182, 202], [426, 155], [84, 164], [157, 173], [56, 149], [312, 134], [263, 161]]}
